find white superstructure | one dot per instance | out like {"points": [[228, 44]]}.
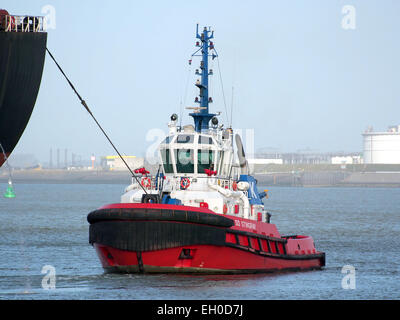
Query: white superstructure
{"points": [[198, 170]]}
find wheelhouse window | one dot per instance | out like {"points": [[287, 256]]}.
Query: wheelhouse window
{"points": [[167, 140], [184, 160], [205, 160], [185, 138], [205, 140], [167, 161]]}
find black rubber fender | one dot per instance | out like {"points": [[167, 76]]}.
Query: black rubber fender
{"points": [[149, 214]]}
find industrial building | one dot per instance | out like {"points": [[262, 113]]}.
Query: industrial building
{"points": [[382, 147], [264, 161], [115, 162], [310, 158], [353, 159]]}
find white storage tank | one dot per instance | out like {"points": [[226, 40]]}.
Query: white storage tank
{"points": [[382, 147]]}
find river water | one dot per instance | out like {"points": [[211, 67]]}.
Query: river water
{"points": [[44, 229]]}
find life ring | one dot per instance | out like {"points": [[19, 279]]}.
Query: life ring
{"points": [[234, 186], [225, 209], [185, 183], [146, 182]]}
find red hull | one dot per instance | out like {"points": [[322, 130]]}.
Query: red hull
{"points": [[206, 259], [247, 246]]}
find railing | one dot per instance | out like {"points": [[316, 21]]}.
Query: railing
{"points": [[220, 181], [226, 184], [21, 24], [150, 182]]}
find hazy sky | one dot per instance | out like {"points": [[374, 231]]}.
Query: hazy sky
{"points": [[300, 80]]}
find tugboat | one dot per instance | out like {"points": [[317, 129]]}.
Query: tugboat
{"points": [[22, 54], [201, 212]]}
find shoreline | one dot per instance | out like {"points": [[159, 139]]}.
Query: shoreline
{"points": [[68, 177], [305, 179]]}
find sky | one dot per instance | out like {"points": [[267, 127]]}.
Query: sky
{"points": [[300, 80]]}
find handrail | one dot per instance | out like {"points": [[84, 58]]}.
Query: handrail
{"points": [[155, 183], [22, 23]]}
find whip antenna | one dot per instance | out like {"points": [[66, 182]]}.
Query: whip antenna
{"points": [[91, 114]]}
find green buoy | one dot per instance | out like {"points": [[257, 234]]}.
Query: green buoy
{"points": [[10, 191]]}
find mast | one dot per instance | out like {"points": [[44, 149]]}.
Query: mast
{"points": [[202, 117]]}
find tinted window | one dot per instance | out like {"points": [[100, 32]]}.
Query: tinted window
{"points": [[184, 160], [187, 138], [167, 139], [167, 161], [205, 140], [205, 160]]}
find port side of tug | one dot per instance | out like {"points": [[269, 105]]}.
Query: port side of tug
{"points": [[202, 211]]}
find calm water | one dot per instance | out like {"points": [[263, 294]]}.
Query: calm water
{"points": [[46, 225]]}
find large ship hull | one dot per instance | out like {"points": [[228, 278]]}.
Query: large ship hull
{"points": [[22, 56], [158, 238]]}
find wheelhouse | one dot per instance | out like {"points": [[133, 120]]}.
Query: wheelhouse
{"points": [[190, 153]]}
